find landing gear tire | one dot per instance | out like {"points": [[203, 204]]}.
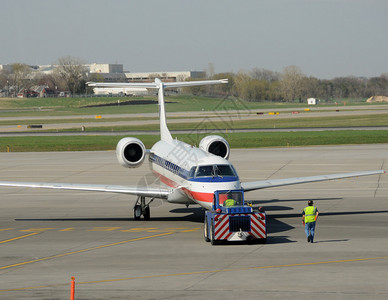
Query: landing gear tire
{"points": [[206, 231], [213, 241], [147, 213], [137, 212], [142, 208]]}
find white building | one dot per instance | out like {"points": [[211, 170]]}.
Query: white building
{"points": [[165, 76], [105, 68], [120, 91], [6, 68], [312, 101]]}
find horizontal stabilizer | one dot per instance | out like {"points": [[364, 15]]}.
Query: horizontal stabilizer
{"points": [[156, 84]]}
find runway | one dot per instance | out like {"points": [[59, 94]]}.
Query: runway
{"points": [[47, 236]]}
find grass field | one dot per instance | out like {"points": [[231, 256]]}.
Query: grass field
{"points": [[76, 106], [73, 107], [259, 123], [236, 140]]}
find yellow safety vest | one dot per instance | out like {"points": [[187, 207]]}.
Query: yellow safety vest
{"points": [[229, 202], [309, 214]]}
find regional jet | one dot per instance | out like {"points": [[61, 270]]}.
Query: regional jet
{"points": [[190, 175]]}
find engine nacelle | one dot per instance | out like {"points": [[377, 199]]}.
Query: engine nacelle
{"points": [[216, 145], [130, 152]]}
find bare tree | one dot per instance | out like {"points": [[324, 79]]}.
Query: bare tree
{"points": [[3, 78], [291, 83], [73, 72], [264, 74], [19, 76]]}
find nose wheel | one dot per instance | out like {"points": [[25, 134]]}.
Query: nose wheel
{"points": [[142, 208]]}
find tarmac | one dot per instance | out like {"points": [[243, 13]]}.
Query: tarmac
{"points": [[48, 236]]}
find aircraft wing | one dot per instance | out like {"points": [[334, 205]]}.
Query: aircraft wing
{"points": [[137, 191], [256, 185]]}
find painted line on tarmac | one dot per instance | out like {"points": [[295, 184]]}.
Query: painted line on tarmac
{"points": [[82, 250], [200, 272], [103, 229], [234, 270], [19, 237]]}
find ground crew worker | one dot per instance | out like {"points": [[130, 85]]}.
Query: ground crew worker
{"points": [[229, 202], [309, 219]]}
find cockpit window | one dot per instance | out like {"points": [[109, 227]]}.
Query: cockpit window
{"points": [[192, 172], [215, 170], [224, 170], [204, 171]]}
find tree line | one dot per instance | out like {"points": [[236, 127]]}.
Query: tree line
{"points": [[70, 74], [292, 85], [255, 85]]}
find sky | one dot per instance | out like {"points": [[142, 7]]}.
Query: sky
{"points": [[324, 38]]}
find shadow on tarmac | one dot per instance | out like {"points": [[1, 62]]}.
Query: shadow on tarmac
{"points": [[340, 213], [279, 240], [331, 241], [264, 202], [195, 215]]}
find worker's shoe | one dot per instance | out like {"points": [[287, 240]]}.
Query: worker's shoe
{"points": [[311, 240], [308, 239]]}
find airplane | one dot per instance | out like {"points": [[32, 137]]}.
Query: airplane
{"points": [[190, 175]]}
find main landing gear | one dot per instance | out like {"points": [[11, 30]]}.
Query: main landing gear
{"points": [[142, 208]]}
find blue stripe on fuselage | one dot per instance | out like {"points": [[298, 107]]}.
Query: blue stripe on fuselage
{"points": [[165, 164], [173, 168], [214, 179]]}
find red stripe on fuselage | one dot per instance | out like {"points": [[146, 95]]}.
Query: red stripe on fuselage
{"points": [[166, 180], [196, 196]]}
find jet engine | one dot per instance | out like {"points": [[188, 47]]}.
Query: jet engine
{"points": [[130, 152], [216, 145]]}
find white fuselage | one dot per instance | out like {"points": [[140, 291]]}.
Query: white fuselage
{"points": [[191, 173]]}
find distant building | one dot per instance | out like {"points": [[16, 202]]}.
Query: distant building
{"points": [[115, 72], [46, 69], [106, 73], [7, 68], [27, 93], [44, 91], [120, 91], [105, 68], [165, 76], [312, 101]]}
